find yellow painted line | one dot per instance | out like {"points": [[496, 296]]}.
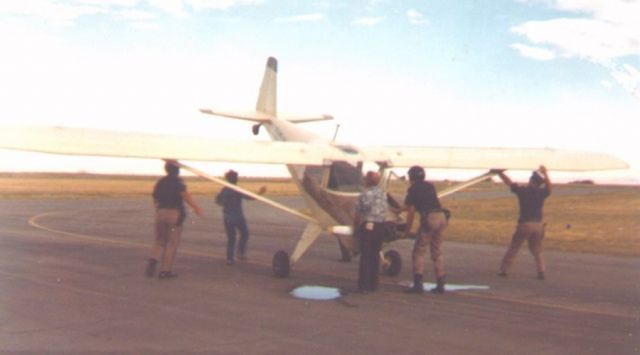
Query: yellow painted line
{"points": [[33, 221]]}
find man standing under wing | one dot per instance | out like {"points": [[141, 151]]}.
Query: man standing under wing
{"points": [[422, 198], [233, 217], [169, 195], [530, 226]]}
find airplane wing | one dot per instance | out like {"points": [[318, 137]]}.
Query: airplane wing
{"points": [[91, 142], [493, 158]]}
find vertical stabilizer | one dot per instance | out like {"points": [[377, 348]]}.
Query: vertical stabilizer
{"points": [[268, 89]]}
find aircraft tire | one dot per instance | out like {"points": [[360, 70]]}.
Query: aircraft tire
{"points": [[281, 265], [394, 263]]}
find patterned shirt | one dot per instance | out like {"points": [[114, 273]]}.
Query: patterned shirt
{"points": [[372, 205]]}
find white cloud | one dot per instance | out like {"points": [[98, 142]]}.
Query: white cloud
{"points": [[301, 18], [607, 33], [536, 53], [585, 38], [607, 84], [220, 4], [172, 7], [416, 18], [145, 26], [136, 15], [108, 3], [368, 21], [627, 76], [53, 12]]}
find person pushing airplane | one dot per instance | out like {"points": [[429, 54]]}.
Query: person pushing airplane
{"points": [[530, 225]]}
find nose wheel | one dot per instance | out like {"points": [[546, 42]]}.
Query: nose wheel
{"points": [[281, 264]]}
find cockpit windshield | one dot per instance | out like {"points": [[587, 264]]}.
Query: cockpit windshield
{"points": [[345, 177]]}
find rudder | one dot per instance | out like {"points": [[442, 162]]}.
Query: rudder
{"points": [[268, 89]]}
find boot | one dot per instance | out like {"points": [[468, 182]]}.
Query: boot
{"points": [[151, 267], [418, 287], [440, 285]]}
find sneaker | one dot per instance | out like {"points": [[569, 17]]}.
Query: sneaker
{"points": [[501, 274], [167, 275], [242, 257], [229, 262], [540, 275]]}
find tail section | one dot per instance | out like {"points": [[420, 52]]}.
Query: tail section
{"points": [[267, 97], [266, 107]]}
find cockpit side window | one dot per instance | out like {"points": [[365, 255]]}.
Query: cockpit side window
{"points": [[345, 177]]}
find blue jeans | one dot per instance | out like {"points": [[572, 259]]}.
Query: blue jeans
{"points": [[230, 226]]}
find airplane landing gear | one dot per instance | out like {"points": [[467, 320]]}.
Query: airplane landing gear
{"points": [[391, 263], [281, 265]]}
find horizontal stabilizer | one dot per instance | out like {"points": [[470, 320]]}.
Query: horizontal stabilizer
{"points": [[262, 117], [91, 142], [303, 118], [253, 116], [493, 158]]}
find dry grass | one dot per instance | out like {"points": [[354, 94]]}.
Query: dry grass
{"points": [[603, 223], [72, 185]]}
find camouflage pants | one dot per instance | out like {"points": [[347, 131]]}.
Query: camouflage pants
{"points": [[431, 236]]}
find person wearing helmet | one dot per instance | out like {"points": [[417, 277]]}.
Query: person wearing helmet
{"points": [[422, 198], [233, 217], [530, 226], [169, 193], [371, 211]]}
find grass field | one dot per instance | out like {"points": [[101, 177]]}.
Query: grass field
{"points": [[602, 222]]}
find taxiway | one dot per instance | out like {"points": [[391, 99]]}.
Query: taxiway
{"points": [[71, 281]]}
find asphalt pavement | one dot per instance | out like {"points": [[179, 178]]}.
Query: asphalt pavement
{"points": [[71, 281]]}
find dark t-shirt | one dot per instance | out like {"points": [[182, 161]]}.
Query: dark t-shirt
{"points": [[167, 192], [531, 200], [422, 195], [231, 202]]}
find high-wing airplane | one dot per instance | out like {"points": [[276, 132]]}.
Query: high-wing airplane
{"points": [[328, 175]]}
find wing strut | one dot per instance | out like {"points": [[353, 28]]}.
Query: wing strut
{"points": [[257, 197], [464, 185]]}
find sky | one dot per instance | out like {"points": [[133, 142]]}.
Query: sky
{"points": [[500, 73]]}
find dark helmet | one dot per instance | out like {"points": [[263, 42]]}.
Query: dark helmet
{"points": [[171, 168], [231, 176], [416, 173]]}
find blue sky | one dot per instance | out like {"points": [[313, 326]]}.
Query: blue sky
{"points": [[525, 73]]}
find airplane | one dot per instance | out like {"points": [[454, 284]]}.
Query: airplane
{"points": [[327, 174]]}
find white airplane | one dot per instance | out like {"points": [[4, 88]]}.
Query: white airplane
{"points": [[328, 175]]}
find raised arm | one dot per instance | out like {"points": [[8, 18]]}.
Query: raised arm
{"points": [[504, 178], [547, 180]]}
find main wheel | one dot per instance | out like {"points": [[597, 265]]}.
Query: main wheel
{"points": [[281, 265], [392, 263]]}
